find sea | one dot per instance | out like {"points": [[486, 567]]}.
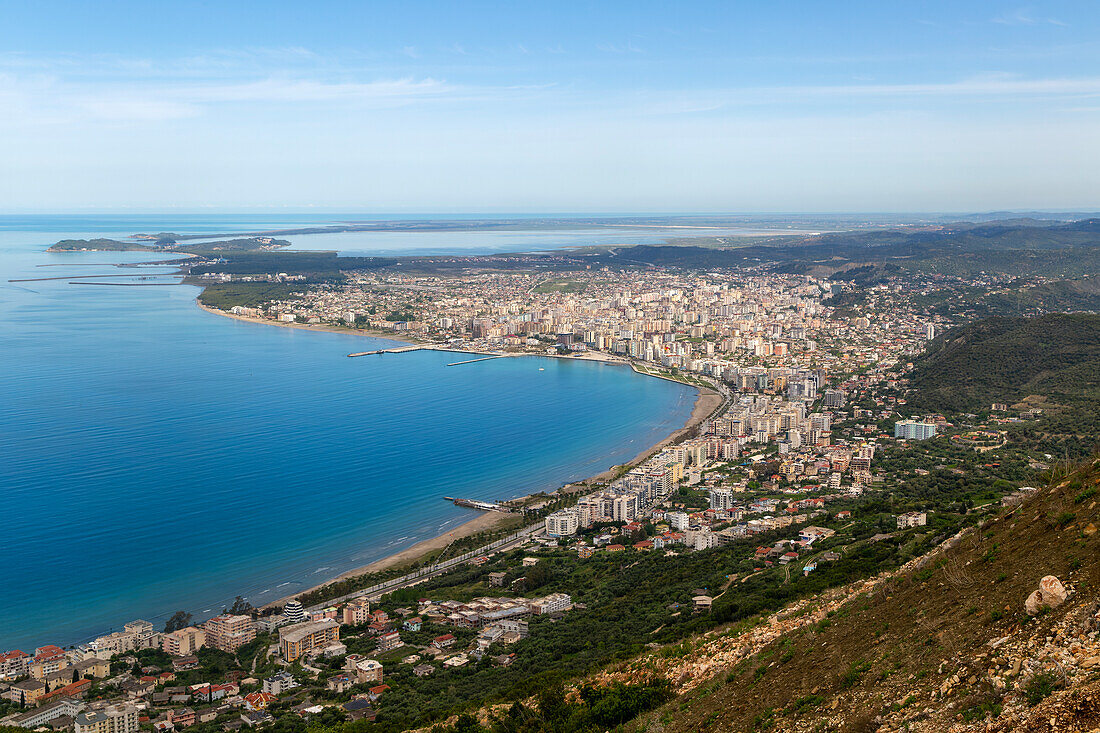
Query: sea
{"points": [[155, 457]]}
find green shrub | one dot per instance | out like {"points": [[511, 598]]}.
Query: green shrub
{"points": [[1085, 495], [1040, 687], [854, 674]]}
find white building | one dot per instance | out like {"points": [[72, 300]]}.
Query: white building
{"points": [[678, 521], [562, 523], [279, 683], [913, 430], [552, 603], [912, 519], [107, 719], [721, 499]]}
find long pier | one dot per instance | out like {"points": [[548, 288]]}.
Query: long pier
{"points": [[428, 347], [480, 358], [397, 350]]}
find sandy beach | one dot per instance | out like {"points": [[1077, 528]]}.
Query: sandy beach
{"points": [[309, 326], [482, 522]]}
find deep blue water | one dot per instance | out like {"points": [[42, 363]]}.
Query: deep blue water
{"points": [[154, 457]]}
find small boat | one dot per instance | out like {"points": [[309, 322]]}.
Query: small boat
{"points": [[542, 369]]}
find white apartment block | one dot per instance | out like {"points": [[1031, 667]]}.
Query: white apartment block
{"points": [[562, 523]]}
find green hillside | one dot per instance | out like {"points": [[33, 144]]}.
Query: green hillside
{"points": [[1056, 356], [1051, 363]]}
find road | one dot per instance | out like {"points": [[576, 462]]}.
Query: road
{"points": [[422, 574]]}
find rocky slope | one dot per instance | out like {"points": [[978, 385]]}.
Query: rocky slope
{"points": [[956, 641]]}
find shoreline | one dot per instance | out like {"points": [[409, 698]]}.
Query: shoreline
{"points": [[707, 400], [310, 326], [412, 553]]}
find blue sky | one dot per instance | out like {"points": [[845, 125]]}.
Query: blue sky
{"points": [[473, 106]]}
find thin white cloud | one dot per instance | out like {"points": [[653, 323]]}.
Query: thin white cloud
{"points": [[1026, 16], [50, 98], [619, 48], [989, 87]]}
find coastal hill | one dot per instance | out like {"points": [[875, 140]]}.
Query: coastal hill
{"points": [[955, 640], [1016, 247], [1046, 368], [949, 642]]}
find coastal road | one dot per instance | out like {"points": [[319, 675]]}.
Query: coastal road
{"points": [[422, 574]]}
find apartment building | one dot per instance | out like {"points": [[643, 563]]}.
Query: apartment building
{"points": [[13, 664], [299, 639], [389, 641], [721, 499], [43, 714], [228, 632], [553, 603], [368, 670], [183, 642], [357, 612], [47, 660], [912, 519], [913, 430], [562, 523], [107, 719], [279, 683]]}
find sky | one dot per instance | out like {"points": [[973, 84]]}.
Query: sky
{"points": [[549, 106]]}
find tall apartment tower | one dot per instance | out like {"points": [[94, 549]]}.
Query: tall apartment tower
{"points": [[293, 611]]}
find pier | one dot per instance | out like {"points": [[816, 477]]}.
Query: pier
{"points": [[429, 347], [480, 358], [397, 350], [485, 506]]}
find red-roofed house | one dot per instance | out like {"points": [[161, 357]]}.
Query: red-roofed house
{"points": [[258, 700], [13, 664]]}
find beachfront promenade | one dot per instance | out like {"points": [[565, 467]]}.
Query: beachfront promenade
{"points": [[421, 574]]}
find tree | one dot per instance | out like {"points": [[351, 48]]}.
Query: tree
{"points": [[179, 620], [240, 607]]}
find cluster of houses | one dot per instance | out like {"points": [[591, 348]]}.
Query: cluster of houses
{"points": [[133, 697]]}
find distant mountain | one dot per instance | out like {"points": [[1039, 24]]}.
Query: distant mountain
{"points": [[1018, 247]]}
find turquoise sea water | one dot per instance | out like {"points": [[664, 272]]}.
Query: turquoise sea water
{"points": [[154, 457]]}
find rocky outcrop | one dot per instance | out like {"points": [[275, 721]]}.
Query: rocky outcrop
{"points": [[1050, 595]]}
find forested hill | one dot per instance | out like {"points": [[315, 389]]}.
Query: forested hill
{"points": [[1055, 356], [1017, 247]]}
